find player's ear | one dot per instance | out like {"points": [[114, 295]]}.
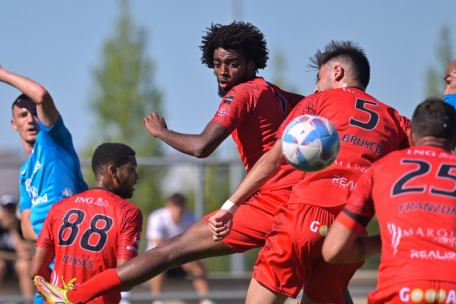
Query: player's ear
{"points": [[13, 123], [412, 139], [112, 171], [339, 72]]}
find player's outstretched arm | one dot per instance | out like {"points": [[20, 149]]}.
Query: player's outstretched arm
{"points": [[40, 263], [198, 145], [46, 110], [342, 245], [266, 167]]}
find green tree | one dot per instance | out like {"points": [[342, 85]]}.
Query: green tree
{"points": [[435, 86], [123, 94], [279, 69]]}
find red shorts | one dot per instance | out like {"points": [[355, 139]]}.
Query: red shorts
{"points": [[415, 292], [253, 220], [291, 257]]}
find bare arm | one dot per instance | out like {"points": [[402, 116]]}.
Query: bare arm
{"points": [[265, 168], [40, 263], [343, 246], [26, 226], [46, 110], [200, 146]]}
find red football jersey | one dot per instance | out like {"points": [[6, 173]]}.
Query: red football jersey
{"points": [[413, 193], [252, 112], [89, 232], [368, 130]]}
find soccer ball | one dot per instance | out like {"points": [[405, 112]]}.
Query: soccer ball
{"points": [[310, 143]]}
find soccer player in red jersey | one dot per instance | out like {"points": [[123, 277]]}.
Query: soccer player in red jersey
{"points": [[251, 111], [369, 129], [94, 230], [412, 192]]}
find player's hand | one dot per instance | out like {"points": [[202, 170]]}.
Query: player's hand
{"points": [[154, 123], [221, 224]]}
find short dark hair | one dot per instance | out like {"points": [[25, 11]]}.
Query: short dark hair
{"points": [[434, 117], [237, 35], [177, 199], [23, 101], [110, 154], [345, 50]]}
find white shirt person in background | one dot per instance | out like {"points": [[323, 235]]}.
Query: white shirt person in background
{"points": [[166, 223]]}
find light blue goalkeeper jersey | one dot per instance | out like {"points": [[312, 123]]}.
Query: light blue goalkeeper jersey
{"points": [[51, 173]]}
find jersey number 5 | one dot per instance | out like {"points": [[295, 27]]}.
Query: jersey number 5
{"points": [[423, 168], [73, 219], [373, 116]]}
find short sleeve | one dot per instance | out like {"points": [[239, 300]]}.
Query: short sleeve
{"points": [[130, 235], [235, 108], [360, 207], [57, 133], [46, 238]]}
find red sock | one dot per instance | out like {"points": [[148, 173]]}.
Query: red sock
{"points": [[103, 283]]}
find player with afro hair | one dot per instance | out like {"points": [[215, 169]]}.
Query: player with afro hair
{"points": [[235, 36]]}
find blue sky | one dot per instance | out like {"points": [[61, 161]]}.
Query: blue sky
{"points": [[58, 43]]}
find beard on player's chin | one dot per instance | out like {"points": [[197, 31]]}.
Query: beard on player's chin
{"points": [[222, 92]]}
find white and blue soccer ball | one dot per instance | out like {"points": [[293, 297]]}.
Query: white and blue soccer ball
{"points": [[310, 143]]}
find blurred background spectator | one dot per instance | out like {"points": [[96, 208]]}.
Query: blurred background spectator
{"points": [[165, 223], [14, 249]]}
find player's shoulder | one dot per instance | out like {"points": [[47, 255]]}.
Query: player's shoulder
{"points": [[248, 88], [66, 203]]}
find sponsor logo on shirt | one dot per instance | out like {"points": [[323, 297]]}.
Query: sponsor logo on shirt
{"points": [[421, 152], [362, 142], [33, 191], [90, 200], [222, 111], [416, 295], [67, 192], [132, 248], [440, 235], [228, 99], [40, 199], [343, 182], [136, 240], [350, 165], [321, 229]]}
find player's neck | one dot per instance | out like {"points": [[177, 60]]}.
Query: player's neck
{"points": [[435, 142], [28, 146], [102, 188]]}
